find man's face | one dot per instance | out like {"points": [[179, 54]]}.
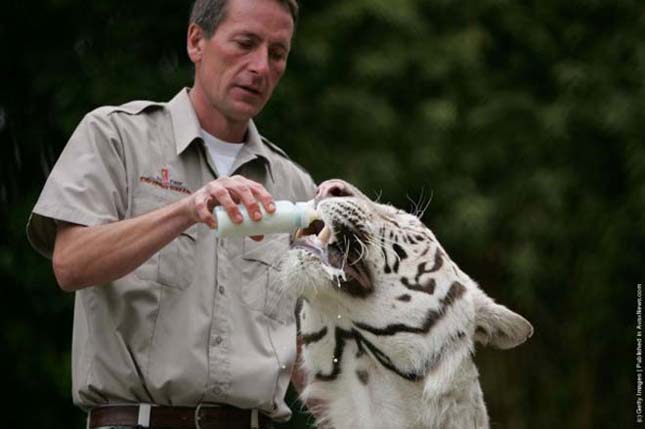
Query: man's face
{"points": [[245, 58]]}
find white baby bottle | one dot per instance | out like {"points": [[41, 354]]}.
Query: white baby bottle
{"points": [[287, 218]]}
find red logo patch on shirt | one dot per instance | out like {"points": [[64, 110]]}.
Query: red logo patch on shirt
{"points": [[166, 182]]}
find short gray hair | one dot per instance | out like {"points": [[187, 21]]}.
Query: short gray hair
{"points": [[209, 14]]}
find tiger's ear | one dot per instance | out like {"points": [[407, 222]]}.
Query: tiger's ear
{"points": [[497, 325]]}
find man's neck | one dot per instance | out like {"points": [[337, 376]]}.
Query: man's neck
{"points": [[214, 122]]}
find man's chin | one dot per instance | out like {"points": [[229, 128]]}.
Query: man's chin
{"points": [[242, 111]]}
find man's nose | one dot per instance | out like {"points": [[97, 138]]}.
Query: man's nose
{"points": [[260, 61]]}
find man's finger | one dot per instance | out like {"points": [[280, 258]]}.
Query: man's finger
{"points": [[224, 198], [265, 198], [204, 214], [245, 195]]}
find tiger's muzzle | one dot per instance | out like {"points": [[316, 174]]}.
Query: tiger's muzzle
{"points": [[339, 239]]}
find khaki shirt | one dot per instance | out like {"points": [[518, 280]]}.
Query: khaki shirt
{"points": [[204, 320]]}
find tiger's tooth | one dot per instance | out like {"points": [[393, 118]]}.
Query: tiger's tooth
{"points": [[324, 235]]}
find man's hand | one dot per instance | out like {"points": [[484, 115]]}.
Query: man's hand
{"points": [[229, 192]]}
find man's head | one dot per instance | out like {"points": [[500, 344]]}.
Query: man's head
{"points": [[240, 50], [208, 14]]}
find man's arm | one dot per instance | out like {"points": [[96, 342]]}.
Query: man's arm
{"points": [[87, 256]]}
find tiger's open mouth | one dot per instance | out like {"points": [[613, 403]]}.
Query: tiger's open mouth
{"points": [[337, 245]]}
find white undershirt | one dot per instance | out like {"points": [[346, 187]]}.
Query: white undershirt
{"points": [[222, 153]]}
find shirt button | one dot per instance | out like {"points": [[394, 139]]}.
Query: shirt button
{"points": [[218, 340], [221, 290]]}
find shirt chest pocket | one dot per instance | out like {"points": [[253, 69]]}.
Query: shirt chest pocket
{"points": [[263, 287], [174, 264]]}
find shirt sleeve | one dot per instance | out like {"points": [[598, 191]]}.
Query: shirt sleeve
{"points": [[87, 186]]}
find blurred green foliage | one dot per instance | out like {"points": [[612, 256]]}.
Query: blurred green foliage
{"points": [[521, 120]]}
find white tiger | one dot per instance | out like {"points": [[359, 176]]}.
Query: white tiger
{"points": [[388, 321]]}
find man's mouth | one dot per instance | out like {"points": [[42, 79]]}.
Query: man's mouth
{"points": [[254, 90]]}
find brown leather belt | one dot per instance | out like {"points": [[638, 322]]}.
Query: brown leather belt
{"points": [[203, 417]]}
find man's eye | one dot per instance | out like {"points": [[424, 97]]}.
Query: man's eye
{"points": [[278, 55], [244, 44]]}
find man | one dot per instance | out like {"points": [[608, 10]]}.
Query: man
{"points": [[173, 327]]}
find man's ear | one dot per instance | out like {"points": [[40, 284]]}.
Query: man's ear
{"points": [[497, 325], [194, 42]]}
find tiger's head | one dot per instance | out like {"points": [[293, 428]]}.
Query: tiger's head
{"points": [[379, 275]]}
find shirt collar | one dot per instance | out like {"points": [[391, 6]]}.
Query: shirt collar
{"points": [[186, 129], [184, 120], [254, 148]]}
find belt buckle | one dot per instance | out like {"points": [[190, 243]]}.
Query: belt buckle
{"points": [[196, 416]]}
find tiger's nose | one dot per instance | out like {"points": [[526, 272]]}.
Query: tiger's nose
{"points": [[332, 188]]}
